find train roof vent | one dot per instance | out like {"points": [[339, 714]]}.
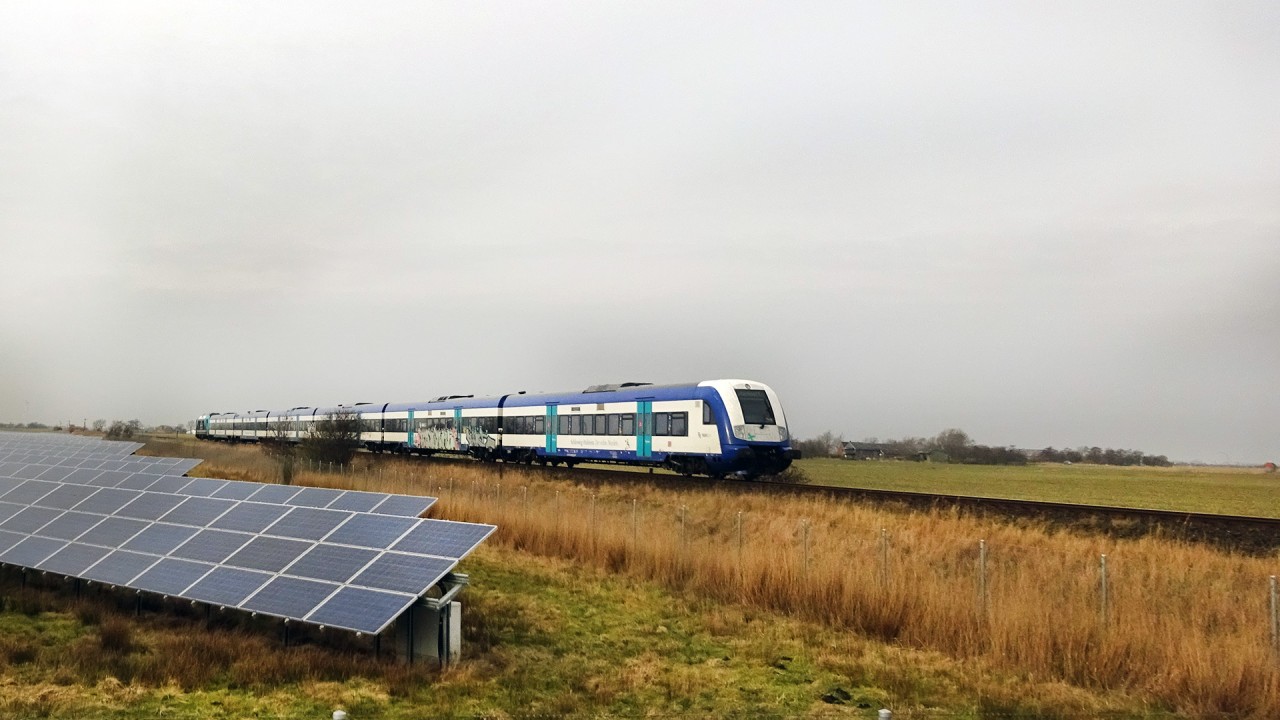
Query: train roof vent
{"points": [[443, 398], [364, 403], [614, 387], [300, 407]]}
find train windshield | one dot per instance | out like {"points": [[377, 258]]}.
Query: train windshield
{"points": [[756, 409]]}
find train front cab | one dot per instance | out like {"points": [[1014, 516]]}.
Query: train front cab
{"points": [[753, 429]]}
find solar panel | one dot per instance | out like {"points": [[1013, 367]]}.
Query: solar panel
{"points": [[337, 563], [213, 546], [29, 519], [360, 609], [150, 506], [82, 476], [249, 517], [199, 511], [371, 531], [8, 510], [315, 497], [169, 484], [307, 523], [67, 496], [204, 487], [314, 554], [73, 559], [113, 531], [136, 481], [55, 473], [29, 492], [170, 576], [236, 490], [226, 586], [289, 597], [406, 505], [31, 551], [9, 539], [29, 472], [357, 501], [268, 553], [107, 500], [278, 494], [159, 538], [120, 567], [70, 525], [9, 467], [443, 537], [403, 573]]}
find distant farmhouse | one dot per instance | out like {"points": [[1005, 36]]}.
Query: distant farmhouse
{"points": [[863, 451], [882, 451]]}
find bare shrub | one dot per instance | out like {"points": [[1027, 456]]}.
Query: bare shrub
{"points": [[116, 636]]}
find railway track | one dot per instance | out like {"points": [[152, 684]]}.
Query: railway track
{"points": [[1253, 535]]}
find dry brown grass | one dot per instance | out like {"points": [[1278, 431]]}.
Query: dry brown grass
{"points": [[1187, 626]]}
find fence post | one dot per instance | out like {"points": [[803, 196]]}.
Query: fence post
{"points": [[884, 557], [741, 570], [982, 580], [806, 524], [524, 497], [683, 540], [1102, 586], [593, 516], [635, 537], [1275, 616]]}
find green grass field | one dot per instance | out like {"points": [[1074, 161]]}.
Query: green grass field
{"points": [[1230, 491], [545, 638]]}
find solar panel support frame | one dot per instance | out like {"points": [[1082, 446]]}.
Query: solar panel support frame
{"points": [[432, 627]]}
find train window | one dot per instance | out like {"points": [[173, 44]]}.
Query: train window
{"points": [[564, 424], [756, 409], [708, 415], [662, 423], [614, 422], [680, 424], [600, 424], [539, 425], [629, 424]]}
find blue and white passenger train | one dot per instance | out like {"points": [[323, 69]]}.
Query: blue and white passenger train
{"points": [[715, 427]]}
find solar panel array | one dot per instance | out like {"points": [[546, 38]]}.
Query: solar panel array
{"points": [[343, 559]]}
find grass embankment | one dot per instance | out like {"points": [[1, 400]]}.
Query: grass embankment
{"points": [[1185, 627], [1228, 491]]}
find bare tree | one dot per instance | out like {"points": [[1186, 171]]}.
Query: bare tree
{"points": [[281, 447], [955, 443], [334, 438], [98, 425]]}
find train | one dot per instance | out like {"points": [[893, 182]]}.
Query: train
{"points": [[715, 428]]}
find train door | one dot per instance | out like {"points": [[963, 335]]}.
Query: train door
{"points": [[644, 428], [457, 429], [553, 429], [411, 428]]}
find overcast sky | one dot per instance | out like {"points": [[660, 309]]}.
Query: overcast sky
{"points": [[1044, 223]]}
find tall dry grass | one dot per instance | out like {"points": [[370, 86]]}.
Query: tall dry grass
{"points": [[1184, 625]]}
